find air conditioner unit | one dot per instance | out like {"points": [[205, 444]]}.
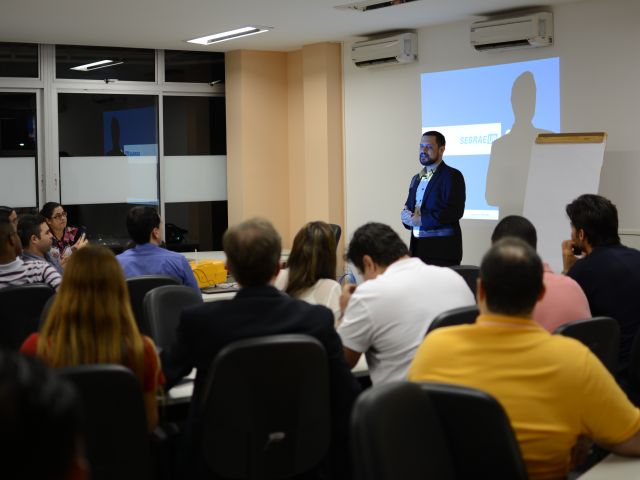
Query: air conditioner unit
{"points": [[533, 30], [400, 48]]}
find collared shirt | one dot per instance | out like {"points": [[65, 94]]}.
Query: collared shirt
{"points": [[552, 388], [31, 257], [149, 259], [20, 272]]}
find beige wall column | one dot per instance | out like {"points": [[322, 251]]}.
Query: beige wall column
{"points": [[257, 137]]}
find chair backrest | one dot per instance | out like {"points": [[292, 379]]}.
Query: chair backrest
{"points": [[337, 231], [162, 307], [395, 434], [600, 334], [115, 424], [45, 309], [470, 274], [455, 316], [480, 438], [20, 309], [266, 407], [138, 288]]}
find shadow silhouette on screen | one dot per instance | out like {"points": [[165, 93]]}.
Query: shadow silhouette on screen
{"points": [[511, 153]]}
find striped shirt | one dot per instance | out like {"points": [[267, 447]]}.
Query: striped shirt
{"points": [[20, 272]]}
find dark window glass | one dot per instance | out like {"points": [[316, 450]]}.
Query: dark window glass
{"points": [[193, 226], [193, 67], [105, 124], [194, 126], [18, 152], [125, 64], [17, 124], [19, 60]]}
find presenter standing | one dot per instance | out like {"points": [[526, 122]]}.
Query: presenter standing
{"points": [[435, 206]]}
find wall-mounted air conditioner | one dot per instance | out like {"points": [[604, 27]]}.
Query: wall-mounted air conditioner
{"points": [[400, 48], [523, 31]]}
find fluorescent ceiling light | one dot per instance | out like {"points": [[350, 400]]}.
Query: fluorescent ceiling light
{"points": [[230, 35], [96, 65]]}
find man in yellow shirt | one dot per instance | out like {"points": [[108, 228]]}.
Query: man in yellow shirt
{"points": [[552, 387]]}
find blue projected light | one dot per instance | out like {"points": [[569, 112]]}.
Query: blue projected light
{"points": [[472, 108]]}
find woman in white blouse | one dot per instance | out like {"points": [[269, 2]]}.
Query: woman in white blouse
{"points": [[311, 268]]}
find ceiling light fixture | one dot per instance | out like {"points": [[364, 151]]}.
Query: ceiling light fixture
{"points": [[96, 65], [230, 35], [369, 5]]}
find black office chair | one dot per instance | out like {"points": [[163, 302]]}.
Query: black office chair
{"points": [[20, 309], [600, 334], [478, 432], [455, 316], [470, 274], [116, 437], [45, 310], [337, 231], [162, 307], [138, 288], [266, 408], [396, 434]]}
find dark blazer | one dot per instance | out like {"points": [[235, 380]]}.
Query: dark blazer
{"points": [[444, 198], [254, 312]]}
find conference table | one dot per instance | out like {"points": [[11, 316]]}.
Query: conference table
{"points": [[614, 467]]}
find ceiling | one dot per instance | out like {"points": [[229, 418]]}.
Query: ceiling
{"points": [[166, 24]]}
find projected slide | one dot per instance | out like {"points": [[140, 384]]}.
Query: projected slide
{"points": [[507, 104]]}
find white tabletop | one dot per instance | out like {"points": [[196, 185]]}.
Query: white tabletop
{"points": [[614, 467]]}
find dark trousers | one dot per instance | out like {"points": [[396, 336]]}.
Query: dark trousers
{"points": [[440, 251]]}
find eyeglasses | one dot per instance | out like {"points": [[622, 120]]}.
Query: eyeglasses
{"points": [[58, 216]]}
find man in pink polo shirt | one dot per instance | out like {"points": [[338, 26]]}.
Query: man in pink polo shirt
{"points": [[564, 301]]}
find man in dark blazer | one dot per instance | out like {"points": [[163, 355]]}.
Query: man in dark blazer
{"points": [[253, 251], [435, 206]]}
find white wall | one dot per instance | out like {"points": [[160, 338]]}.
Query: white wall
{"points": [[597, 42]]}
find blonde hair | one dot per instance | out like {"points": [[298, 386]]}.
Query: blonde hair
{"points": [[312, 257], [91, 320]]}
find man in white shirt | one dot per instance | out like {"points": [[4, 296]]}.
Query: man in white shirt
{"points": [[387, 316]]}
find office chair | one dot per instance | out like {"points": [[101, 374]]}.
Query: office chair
{"points": [[138, 288], [478, 432], [162, 307], [266, 408], [115, 424], [455, 316], [470, 274], [600, 334], [396, 434], [337, 231], [20, 312]]}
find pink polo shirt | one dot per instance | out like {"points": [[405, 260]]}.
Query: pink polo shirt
{"points": [[563, 302]]}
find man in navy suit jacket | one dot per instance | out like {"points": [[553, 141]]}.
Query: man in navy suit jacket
{"points": [[435, 206], [253, 251]]}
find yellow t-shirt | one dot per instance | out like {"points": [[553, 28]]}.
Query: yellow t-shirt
{"points": [[552, 387]]}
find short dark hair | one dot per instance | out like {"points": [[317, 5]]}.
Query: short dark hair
{"points": [[28, 225], [253, 250], [511, 274], [377, 240], [440, 140], [6, 229], [39, 419], [141, 221], [597, 216], [5, 212], [48, 208], [518, 227]]}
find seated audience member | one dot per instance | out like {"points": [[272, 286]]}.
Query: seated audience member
{"points": [[387, 316], [39, 423], [607, 271], [35, 237], [563, 301], [253, 250], [8, 213], [14, 270], [311, 268], [147, 258], [552, 387], [91, 321], [65, 239]]}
